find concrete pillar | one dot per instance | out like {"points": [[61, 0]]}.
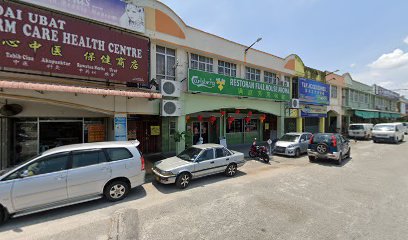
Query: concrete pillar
{"points": [[339, 122], [322, 125], [299, 124], [181, 127], [281, 126]]}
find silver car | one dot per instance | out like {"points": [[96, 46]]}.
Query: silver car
{"points": [[71, 174], [293, 144], [198, 161]]}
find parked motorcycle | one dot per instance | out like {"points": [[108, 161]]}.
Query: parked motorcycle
{"points": [[260, 152]]}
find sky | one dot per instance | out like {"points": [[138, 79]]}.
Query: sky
{"points": [[366, 38]]}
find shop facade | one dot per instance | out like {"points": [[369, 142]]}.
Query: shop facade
{"points": [[71, 82]]}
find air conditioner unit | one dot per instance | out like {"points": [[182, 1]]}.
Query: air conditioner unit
{"points": [[171, 108], [294, 103], [170, 88]]}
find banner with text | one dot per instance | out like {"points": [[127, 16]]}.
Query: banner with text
{"points": [[31, 39], [200, 81], [115, 12], [314, 92], [313, 111]]}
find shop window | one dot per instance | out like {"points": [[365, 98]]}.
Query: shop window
{"points": [[252, 126], [286, 82], [270, 77], [25, 140], [165, 63], [252, 74], [201, 63], [361, 97], [355, 96], [366, 98], [227, 69], [236, 126], [333, 92]]}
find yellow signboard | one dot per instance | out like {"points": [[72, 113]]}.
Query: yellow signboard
{"points": [[154, 130]]}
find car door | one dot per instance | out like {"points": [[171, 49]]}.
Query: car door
{"points": [[344, 145], [303, 143], [222, 159], [41, 182], [205, 163], [89, 172]]}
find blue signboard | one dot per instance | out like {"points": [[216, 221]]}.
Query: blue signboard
{"points": [[314, 92], [120, 127]]}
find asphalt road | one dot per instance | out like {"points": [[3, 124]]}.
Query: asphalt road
{"points": [[365, 198]]}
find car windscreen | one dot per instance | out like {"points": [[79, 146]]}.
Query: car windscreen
{"points": [[384, 128], [4, 171], [290, 138], [356, 127], [190, 154]]}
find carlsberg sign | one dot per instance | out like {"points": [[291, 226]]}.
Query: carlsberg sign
{"points": [[200, 81]]}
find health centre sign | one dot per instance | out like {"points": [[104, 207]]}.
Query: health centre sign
{"points": [[199, 81], [314, 92], [37, 40]]}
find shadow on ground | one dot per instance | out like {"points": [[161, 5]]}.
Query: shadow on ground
{"points": [[195, 183], [16, 224]]}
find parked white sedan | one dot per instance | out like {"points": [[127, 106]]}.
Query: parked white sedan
{"points": [[198, 161]]}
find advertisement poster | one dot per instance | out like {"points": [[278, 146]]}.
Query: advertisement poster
{"points": [[35, 40], [120, 126], [96, 133], [314, 92], [386, 93], [200, 81], [115, 12], [155, 130], [313, 111]]}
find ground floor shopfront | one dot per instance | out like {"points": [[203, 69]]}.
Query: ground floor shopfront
{"points": [[368, 116], [230, 120], [51, 119]]}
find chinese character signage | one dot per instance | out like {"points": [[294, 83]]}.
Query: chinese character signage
{"points": [[31, 39], [115, 12], [219, 84], [313, 111], [314, 92], [96, 133], [386, 93], [120, 125]]}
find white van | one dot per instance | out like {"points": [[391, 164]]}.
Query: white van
{"points": [[388, 132], [360, 130]]}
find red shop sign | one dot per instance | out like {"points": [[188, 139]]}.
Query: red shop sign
{"points": [[32, 39]]}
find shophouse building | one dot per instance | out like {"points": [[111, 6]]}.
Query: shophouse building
{"points": [[335, 110]]}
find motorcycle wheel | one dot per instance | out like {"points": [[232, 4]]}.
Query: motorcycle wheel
{"points": [[252, 154], [265, 157]]}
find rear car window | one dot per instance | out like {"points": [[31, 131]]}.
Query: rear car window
{"points": [[116, 154], [322, 138], [356, 127]]}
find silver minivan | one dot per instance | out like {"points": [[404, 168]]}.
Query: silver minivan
{"points": [[69, 175]]}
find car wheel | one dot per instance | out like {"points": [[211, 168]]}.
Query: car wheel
{"points": [[183, 180], [2, 218], [116, 190], [396, 140], [231, 170], [264, 157], [251, 154], [340, 159], [297, 153], [312, 159]]}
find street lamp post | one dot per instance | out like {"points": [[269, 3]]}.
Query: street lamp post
{"points": [[246, 50]]}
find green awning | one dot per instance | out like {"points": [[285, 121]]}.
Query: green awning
{"points": [[390, 115], [367, 114]]}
